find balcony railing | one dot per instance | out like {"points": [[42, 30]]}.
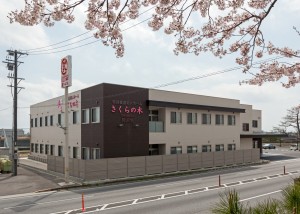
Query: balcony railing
{"points": [[156, 126]]}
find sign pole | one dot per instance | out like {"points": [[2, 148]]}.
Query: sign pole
{"points": [[66, 129], [66, 81]]}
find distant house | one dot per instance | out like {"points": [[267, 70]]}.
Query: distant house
{"points": [[23, 140]]}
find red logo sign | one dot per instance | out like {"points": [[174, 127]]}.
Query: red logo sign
{"points": [[64, 66]]}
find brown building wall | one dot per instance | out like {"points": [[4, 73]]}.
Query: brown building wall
{"points": [[92, 133], [123, 130]]}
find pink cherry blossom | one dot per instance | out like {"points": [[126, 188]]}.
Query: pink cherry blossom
{"points": [[236, 29]]}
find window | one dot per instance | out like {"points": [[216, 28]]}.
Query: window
{"points": [[254, 123], [219, 119], [75, 152], [153, 115], [246, 127], [219, 147], [51, 120], [75, 117], [191, 118], [176, 150], [176, 117], [85, 116], [84, 153], [46, 121], [52, 147], [36, 148], [41, 121], [60, 151], [231, 147], [59, 119], [206, 148], [231, 120], [41, 148], [95, 117], [35, 122], [206, 118], [192, 149], [95, 153], [32, 147], [46, 149], [31, 123]]}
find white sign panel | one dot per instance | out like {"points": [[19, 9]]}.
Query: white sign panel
{"points": [[66, 71]]}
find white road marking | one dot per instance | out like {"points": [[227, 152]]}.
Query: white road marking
{"points": [[186, 192], [269, 193]]}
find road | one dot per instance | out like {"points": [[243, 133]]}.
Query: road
{"points": [[195, 193]]}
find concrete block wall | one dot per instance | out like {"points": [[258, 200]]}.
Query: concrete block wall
{"points": [[112, 168]]}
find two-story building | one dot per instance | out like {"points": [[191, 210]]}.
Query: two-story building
{"points": [[108, 120]]}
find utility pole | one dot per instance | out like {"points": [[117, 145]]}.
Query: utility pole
{"points": [[12, 65]]}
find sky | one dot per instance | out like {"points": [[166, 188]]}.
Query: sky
{"points": [[148, 62]]}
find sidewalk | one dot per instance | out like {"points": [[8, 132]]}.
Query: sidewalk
{"points": [[30, 178]]}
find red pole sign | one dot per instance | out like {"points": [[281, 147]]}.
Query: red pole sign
{"points": [[66, 71]]}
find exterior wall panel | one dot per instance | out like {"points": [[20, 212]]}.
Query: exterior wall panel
{"points": [[92, 170], [195, 161], [229, 157], [219, 158], [247, 156], [207, 159], [154, 164], [183, 162], [170, 163], [136, 166]]}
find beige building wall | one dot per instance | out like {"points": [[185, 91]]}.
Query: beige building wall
{"points": [[195, 134], [246, 143], [170, 96], [54, 135], [248, 117]]}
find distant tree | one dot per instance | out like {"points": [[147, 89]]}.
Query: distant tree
{"points": [[292, 119], [222, 27]]}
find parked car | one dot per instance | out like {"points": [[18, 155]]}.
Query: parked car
{"points": [[269, 146], [294, 147]]}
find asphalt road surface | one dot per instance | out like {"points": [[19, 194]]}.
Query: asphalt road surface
{"points": [[192, 194]]}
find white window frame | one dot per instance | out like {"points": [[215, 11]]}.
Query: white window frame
{"points": [[178, 117], [219, 148], [85, 116], [231, 147], [194, 149], [208, 148], [206, 119], [178, 150], [193, 118], [60, 151], [97, 116], [231, 122], [75, 114], [95, 153], [219, 119]]}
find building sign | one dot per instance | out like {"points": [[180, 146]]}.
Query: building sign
{"points": [[73, 102], [66, 71], [127, 109]]}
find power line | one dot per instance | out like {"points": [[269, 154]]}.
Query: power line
{"points": [[172, 83], [61, 46], [87, 43], [38, 49], [58, 42]]}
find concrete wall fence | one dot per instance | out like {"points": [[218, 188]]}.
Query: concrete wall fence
{"points": [[112, 168]]}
